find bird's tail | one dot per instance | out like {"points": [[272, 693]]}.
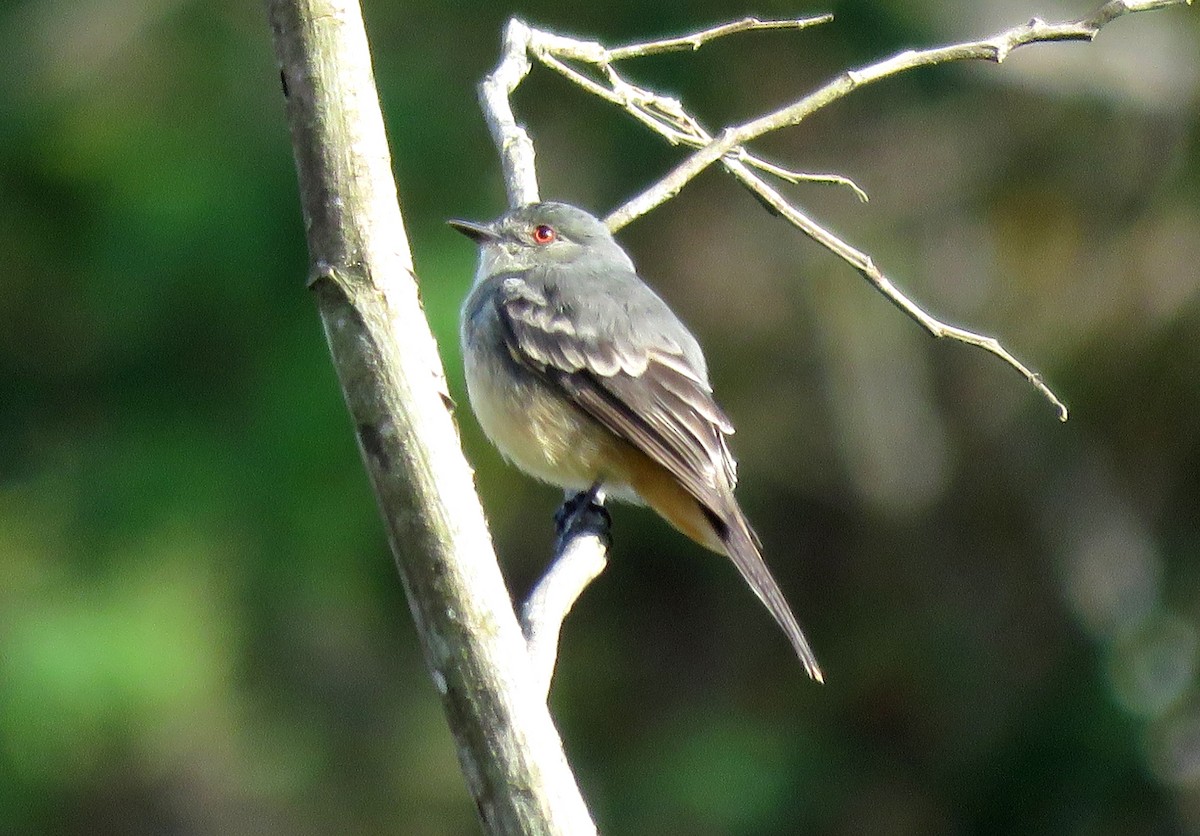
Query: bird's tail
{"points": [[727, 532], [742, 547]]}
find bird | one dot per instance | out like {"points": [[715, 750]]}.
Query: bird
{"points": [[584, 378]]}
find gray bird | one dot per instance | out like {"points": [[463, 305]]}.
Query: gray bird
{"points": [[582, 377]]}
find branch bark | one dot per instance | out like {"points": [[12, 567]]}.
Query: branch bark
{"points": [[387, 364]]}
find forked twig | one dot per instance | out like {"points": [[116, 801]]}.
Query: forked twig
{"points": [[667, 117]]}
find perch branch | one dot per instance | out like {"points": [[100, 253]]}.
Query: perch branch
{"points": [[578, 561], [580, 555]]}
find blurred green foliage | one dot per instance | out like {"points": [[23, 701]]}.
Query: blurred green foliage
{"points": [[201, 630]]}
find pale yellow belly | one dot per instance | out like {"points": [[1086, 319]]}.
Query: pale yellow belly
{"points": [[539, 432]]}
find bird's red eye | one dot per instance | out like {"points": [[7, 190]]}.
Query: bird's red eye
{"points": [[544, 234]]}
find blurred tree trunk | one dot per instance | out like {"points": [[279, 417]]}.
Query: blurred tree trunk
{"points": [[388, 367]]}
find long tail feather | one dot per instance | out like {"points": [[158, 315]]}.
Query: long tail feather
{"points": [[740, 545]]}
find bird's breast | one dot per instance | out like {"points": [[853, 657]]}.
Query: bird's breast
{"points": [[534, 426]]}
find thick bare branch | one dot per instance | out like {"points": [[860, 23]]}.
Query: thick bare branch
{"points": [[388, 367]]}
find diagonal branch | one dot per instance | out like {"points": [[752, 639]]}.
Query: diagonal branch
{"points": [[388, 367], [864, 264]]}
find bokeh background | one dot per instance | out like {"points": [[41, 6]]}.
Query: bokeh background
{"points": [[201, 629]]}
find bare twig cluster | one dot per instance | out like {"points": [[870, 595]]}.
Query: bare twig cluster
{"points": [[590, 65]]}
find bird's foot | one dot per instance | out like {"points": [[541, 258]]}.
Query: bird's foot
{"points": [[584, 513]]}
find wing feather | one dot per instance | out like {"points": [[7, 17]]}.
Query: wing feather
{"points": [[641, 386]]}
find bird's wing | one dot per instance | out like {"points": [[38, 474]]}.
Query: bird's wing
{"points": [[641, 387], [644, 388]]}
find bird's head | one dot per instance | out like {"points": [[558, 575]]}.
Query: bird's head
{"points": [[540, 235]]}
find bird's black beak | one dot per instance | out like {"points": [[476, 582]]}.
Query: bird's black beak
{"points": [[479, 233]]}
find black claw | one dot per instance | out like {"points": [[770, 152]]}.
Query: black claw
{"points": [[565, 511], [582, 514]]}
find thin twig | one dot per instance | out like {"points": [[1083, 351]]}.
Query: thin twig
{"points": [[697, 39], [678, 126], [789, 175], [666, 117], [864, 264]]}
